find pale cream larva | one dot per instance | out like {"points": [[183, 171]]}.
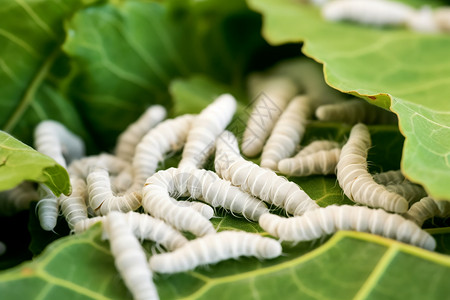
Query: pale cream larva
{"points": [[423, 20], [128, 140], [82, 167], [169, 135], [427, 208], [202, 208], [47, 208], [74, 207], [328, 220], [354, 111], [259, 182], [214, 248], [287, 133], [322, 162], [270, 95], [205, 129], [130, 258], [356, 181], [389, 177], [144, 227], [410, 191], [17, 198], [101, 198], [374, 12], [316, 146], [442, 17]]}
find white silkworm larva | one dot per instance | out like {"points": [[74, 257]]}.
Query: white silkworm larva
{"points": [[101, 197], [374, 12], [316, 146], [325, 221], [410, 191], [157, 200], [427, 208], [287, 133], [322, 162], [202, 208], [389, 177], [82, 167], [423, 20], [130, 258], [144, 227], [169, 135], [130, 138], [354, 111], [272, 95], [121, 182], [17, 198], [55, 140], [442, 17], [262, 183], [74, 207], [356, 181], [205, 129], [214, 248], [47, 208]]}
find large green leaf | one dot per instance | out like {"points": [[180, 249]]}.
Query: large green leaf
{"points": [[20, 162], [393, 68], [31, 33]]}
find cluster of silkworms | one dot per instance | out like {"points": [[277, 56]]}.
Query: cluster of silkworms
{"points": [[387, 13], [112, 188]]}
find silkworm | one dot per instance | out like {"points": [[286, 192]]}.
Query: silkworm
{"points": [[130, 138], [169, 135], [259, 182], [82, 167], [287, 133], [101, 198], [423, 20], [272, 95], [205, 129], [214, 248], [55, 140], [442, 17], [322, 162], [389, 177], [410, 191], [157, 200], [17, 198], [47, 208], [356, 181], [74, 207], [316, 146], [144, 227], [202, 208], [427, 208], [122, 182], [324, 221], [354, 111], [129, 258], [374, 12]]}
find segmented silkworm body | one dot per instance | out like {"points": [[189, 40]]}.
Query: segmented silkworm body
{"points": [[144, 227], [169, 135], [410, 191], [205, 129], [442, 17], [356, 181], [262, 183], [427, 208], [129, 258], [74, 207], [128, 140], [47, 208], [271, 96], [374, 12], [101, 197], [82, 167], [287, 133], [354, 111], [423, 20], [389, 177], [214, 248], [17, 198], [328, 220], [55, 140], [322, 162], [316, 146], [202, 208]]}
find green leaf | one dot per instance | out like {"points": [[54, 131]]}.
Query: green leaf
{"points": [[19, 162], [393, 68]]}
